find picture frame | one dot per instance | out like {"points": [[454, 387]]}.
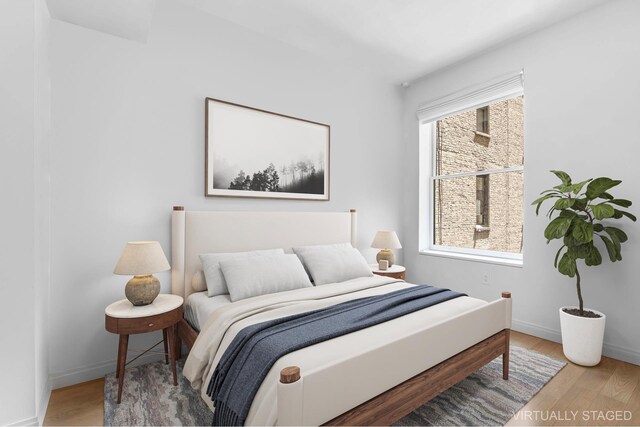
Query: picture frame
{"points": [[250, 152]]}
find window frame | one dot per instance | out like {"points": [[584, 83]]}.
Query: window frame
{"points": [[427, 142]]}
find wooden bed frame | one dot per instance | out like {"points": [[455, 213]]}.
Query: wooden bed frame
{"points": [[399, 401], [396, 403]]}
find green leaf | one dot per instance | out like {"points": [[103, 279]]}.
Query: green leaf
{"points": [[616, 244], [582, 231], [606, 196], [564, 188], [621, 202], [552, 210], [564, 203], [564, 177], [598, 186], [582, 251], [602, 211], [580, 204], [611, 248], [568, 214], [567, 265], [557, 228], [551, 191], [569, 241], [555, 261], [577, 188], [593, 256], [620, 214], [613, 231], [539, 201], [598, 228], [543, 198]]}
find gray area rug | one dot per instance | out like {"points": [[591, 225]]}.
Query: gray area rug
{"points": [[483, 399], [149, 398]]}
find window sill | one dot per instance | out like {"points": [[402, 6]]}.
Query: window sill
{"points": [[509, 262], [482, 134], [481, 228]]}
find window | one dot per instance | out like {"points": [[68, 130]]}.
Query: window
{"points": [[482, 120], [482, 201], [471, 195]]}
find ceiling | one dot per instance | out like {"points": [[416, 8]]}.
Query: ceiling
{"points": [[397, 39]]}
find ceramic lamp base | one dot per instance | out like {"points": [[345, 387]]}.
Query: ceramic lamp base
{"points": [[142, 290], [386, 254]]}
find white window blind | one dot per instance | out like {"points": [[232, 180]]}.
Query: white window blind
{"points": [[498, 89]]}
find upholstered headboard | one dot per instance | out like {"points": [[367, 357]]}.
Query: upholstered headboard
{"points": [[198, 232]]}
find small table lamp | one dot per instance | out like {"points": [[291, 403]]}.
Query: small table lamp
{"points": [[140, 260], [386, 240]]}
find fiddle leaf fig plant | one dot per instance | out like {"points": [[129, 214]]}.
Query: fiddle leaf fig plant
{"points": [[584, 210]]}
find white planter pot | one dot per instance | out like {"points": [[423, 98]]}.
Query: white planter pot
{"points": [[582, 337]]}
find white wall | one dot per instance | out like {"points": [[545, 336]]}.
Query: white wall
{"points": [[581, 116], [17, 192], [128, 143]]}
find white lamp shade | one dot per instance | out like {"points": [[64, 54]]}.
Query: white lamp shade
{"points": [[386, 239], [141, 258]]}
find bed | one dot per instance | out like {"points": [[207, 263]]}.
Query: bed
{"points": [[374, 376]]}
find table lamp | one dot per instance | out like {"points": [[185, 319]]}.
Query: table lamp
{"points": [[141, 260], [386, 240]]}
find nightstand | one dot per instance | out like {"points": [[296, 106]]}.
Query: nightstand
{"points": [[124, 319], [396, 271]]}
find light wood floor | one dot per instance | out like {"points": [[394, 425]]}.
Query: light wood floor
{"points": [[610, 386]]}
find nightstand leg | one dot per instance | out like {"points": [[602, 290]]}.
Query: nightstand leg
{"points": [[122, 361], [166, 347], [178, 343], [118, 363], [172, 346]]}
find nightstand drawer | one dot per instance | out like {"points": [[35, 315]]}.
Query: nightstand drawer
{"points": [[140, 325]]}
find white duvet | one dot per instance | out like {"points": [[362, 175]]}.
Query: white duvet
{"points": [[225, 322]]}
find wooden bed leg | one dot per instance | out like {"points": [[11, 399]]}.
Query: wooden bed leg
{"points": [[505, 356], [507, 339]]}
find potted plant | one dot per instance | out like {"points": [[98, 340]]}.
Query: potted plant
{"points": [[581, 216]]}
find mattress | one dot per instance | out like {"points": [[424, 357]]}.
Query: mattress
{"points": [[199, 307]]}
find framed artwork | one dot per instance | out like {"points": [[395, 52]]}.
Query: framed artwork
{"points": [[257, 153]]}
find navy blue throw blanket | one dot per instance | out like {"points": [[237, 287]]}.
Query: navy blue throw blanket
{"points": [[255, 349]]}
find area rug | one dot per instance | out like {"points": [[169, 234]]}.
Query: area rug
{"points": [[149, 398], [483, 399]]}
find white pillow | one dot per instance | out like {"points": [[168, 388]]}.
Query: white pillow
{"points": [[333, 263], [216, 284], [250, 277]]}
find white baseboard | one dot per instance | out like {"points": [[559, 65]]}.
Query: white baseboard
{"points": [[33, 421], [609, 350], [621, 353], [44, 402], [94, 371], [536, 331]]}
